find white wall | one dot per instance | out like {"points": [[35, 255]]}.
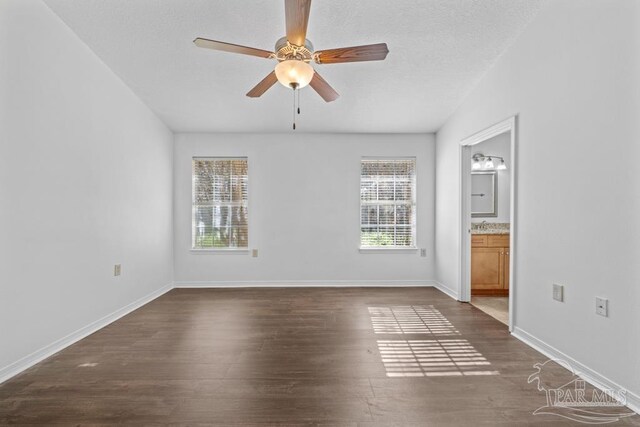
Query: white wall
{"points": [[85, 182], [304, 207], [499, 145], [573, 79]]}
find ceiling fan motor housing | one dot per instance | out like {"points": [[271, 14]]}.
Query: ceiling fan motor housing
{"points": [[285, 50]]}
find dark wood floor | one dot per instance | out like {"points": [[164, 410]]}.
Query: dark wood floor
{"points": [[354, 356]]}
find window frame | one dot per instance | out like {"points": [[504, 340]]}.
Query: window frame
{"points": [[414, 228], [220, 250]]}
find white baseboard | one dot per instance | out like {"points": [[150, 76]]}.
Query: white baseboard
{"points": [[48, 350], [589, 375], [305, 284], [444, 289]]}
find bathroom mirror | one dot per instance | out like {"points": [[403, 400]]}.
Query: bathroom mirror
{"points": [[484, 194]]}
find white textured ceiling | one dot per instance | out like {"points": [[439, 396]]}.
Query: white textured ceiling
{"points": [[439, 49]]}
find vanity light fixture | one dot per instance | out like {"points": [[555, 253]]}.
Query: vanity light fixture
{"points": [[486, 162]]}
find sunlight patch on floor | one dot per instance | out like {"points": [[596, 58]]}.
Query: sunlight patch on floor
{"points": [[431, 358], [410, 319]]}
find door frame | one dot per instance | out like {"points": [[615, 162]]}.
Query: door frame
{"points": [[464, 255]]}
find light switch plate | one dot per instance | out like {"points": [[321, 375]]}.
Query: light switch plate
{"points": [[254, 253], [558, 292], [602, 306], [423, 252], [117, 269]]}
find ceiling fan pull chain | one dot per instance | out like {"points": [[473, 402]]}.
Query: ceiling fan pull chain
{"points": [[298, 101], [294, 108]]}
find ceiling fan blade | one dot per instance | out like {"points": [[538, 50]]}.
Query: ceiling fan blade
{"points": [[233, 48], [297, 18], [321, 86], [369, 52], [263, 86]]}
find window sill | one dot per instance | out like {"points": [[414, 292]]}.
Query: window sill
{"points": [[228, 251], [383, 250]]}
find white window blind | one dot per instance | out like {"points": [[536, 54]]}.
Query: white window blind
{"points": [[388, 203], [220, 215]]}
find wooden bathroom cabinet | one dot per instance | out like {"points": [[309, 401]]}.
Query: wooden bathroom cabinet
{"points": [[490, 264]]}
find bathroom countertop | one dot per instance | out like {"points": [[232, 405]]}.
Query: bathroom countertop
{"points": [[490, 228], [490, 231]]}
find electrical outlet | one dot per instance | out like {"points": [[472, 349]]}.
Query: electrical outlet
{"points": [[602, 306], [558, 292], [254, 253], [117, 269], [423, 252]]}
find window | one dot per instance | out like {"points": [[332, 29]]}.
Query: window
{"points": [[388, 203], [220, 213]]}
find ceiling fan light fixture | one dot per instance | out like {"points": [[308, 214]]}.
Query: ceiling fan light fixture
{"points": [[294, 74]]}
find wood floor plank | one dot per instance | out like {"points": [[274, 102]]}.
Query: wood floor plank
{"points": [[288, 356]]}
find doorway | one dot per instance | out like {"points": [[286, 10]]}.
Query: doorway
{"points": [[487, 220]]}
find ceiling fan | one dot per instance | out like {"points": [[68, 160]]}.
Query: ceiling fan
{"points": [[294, 53]]}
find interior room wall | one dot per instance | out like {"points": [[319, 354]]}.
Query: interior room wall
{"points": [[577, 95], [304, 210], [85, 183], [499, 145]]}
